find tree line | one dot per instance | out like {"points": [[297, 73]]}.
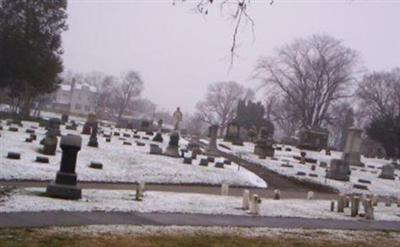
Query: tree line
{"points": [[311, 82]]}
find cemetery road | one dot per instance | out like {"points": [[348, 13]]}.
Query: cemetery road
{"points": [[286, 193], [61, 218]]}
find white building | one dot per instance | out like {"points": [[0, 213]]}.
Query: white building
{"points": [[77, 98]]}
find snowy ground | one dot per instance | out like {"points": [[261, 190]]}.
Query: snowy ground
{"points": [[32, 199], [121, 163], [370, 172]]}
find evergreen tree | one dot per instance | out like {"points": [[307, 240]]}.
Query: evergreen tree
{"points": [[30, 48]]}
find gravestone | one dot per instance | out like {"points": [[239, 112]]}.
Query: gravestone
{"points": [[212, 149], [54, 124], [96, 165], [264, 144], [187, 160], [203, 162], [86, 130], [65, 184], [13, 129], [314, 139], [233, 134], [338, 170], [173, 145], [351, 152], [158, 137], [255, 204], [93, 136], [155, 149], [145, 126], [64, 118], [246, 200], [50, 141], [219, 165], [387, 172], [13, 155], [42, 159]]}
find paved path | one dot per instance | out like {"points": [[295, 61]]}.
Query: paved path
{"points": [[60, 218], [286, 193], [278, 181]]}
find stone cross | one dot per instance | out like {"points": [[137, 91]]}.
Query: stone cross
{"points": [[65, 184]]}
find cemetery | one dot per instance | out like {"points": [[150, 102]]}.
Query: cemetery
{"points": [[121, 163], [199, 123]]}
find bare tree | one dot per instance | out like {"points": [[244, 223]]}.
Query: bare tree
{"points": [[104, 96], [310, 75], [145, 107], [281, 113], [219, 105], [237, 10], [130, 86], [379, 94], [193, 124]]}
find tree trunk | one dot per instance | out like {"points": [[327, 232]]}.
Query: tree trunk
{"points": [[26, 108]]}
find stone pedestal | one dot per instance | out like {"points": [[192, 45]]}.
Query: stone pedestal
{"points": [[352, 149], [246, 200], [86, 130], [338, 170], [93, 136], [212, 149], [50, 145], [255, 204], [173, 145], [65, 184]]}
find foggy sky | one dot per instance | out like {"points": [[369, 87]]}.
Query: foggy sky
{"points": [[179, 52]]}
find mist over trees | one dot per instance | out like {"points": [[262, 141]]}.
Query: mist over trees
{"points": [[30, 49], [379, 95], [309, 75], [220, 103]]}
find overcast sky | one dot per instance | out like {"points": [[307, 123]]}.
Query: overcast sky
{"points": [[179, 53]]}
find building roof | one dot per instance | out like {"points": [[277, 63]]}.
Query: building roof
{"points": [[78, 86]]}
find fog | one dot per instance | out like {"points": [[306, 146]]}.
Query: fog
{"points": [[179, 53]]}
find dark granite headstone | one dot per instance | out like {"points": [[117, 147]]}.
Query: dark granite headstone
{"points": [[42, 159], [187, 160], [65, 184], [13, 156], [203, 162], [173, 145]]}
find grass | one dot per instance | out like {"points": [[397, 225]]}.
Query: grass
{"points": [[44, 237]]}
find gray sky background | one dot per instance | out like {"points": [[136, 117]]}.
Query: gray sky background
{"points": [[179, 53]]}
